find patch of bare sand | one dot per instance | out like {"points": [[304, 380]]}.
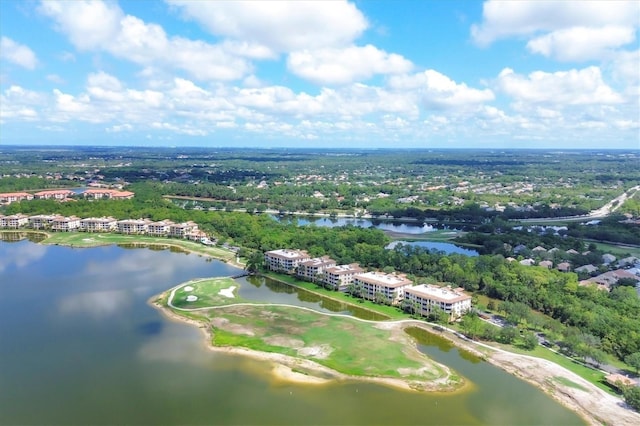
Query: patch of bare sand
{"points": [[592, 403]]}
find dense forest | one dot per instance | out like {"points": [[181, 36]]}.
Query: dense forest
{"points": [[608, 322]]}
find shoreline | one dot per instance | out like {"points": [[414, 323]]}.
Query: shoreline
{"points": [[592, 404], [288, 368]]}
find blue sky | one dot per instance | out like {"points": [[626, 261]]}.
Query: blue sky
{"points": [[363, 74]]}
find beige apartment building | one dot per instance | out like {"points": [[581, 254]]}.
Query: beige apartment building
{"points": [[12, 197], [61, 194], [159, 229], [65, 224], [14, 221], [180, 230], [424, 298], [98, 224], [339, 277], [284, 259], [98, 194], [132, 226], [313, 269], [42, 221], [387, 288]]}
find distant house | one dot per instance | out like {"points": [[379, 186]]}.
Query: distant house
{"points": [[285, 259], [609, 279], [564, 267], [539, 249], [527, 262], [627, 261], [426, 298], [572, 251], [608, 258], [546, 264], [519, 248], [389, 288], [589, 269]]}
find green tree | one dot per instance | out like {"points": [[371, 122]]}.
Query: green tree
{"points": [[507, 334], [255, 262], [632, 397], [633, 360], [472, 325], [529, 340]]}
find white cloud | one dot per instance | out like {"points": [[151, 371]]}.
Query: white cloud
{"points": [[345, 65], [99, 26], [439, 91], [17, 53], [573, 87], [88, 24], [582, 43], [279, 25], [504, 19]]}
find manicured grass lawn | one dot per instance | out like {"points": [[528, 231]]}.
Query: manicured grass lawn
{"points": [[83, 239], [208, 292], [326, 340]]}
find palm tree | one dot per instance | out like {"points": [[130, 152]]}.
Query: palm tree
{"points": [[255, 262]]}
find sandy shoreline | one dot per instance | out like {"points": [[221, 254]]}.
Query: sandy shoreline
{"points": [[594, 405]]}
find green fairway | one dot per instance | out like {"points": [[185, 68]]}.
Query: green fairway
{"points": [[378, 351], [209, 292], [82, 239]]}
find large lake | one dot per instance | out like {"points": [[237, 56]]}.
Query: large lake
{"points": [[80, 345]]}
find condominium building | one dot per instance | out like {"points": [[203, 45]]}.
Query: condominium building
{"points": [[313, 269], [65, 223], [387, 288], [424, 298], [133, 226], [61, 194], [41, 221], [160, 229], [339, 277], [98, 224], [99, 193], [180, 230], [12, 197], [284, 259], [14, 221]]}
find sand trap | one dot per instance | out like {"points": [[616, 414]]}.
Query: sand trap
{"points": [[87, 239], [227, 292], [192, 298], [188, 288]]}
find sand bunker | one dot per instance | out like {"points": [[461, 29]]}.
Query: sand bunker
{"points": [[192, 298], [188, 288], [227, 292]]}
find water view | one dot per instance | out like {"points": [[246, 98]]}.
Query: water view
{"points": [[79, 344]]}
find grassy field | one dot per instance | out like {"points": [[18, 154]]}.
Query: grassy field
{"points": [[209, 291], [81, 239], [326, 340]]}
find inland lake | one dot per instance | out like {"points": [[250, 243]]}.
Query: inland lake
{"points": [[80, 344]]}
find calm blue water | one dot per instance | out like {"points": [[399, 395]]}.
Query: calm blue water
{"points": [[447, 248], [79, 344]]}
